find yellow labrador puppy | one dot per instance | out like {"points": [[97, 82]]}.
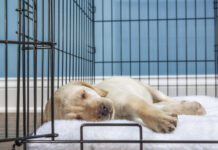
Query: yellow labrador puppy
{"points": [[120, 98]]}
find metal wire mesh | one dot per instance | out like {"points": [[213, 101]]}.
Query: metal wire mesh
{"points": [[166, 43]]}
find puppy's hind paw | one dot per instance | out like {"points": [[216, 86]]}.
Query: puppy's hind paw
{"points": [[193, 108]]}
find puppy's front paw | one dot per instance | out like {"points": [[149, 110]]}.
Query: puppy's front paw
{"points": [[163, 123]]}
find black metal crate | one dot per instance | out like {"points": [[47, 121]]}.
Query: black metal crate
{"points": [[170, 44]]}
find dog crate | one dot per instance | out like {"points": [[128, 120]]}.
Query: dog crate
{"points": [[169, 44]]}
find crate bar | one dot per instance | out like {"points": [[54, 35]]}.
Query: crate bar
{"points": [[167, 44], [83, 41], [216, 45], [66, 42], [153, 19], [148, 35], [86, 43], [153, 61], [86, 34], [53, 35], [82, 44], [139, 42], [73, 40], [24, 69], [70, 42], [121, 40], [130, 39], [85, 14], [93, 40], [85, 51], [186, 49], [90, 23], [109, 125], [58, 69], [27, 138], [48, 50], [177, 51], [102, 9], [205, 45], [42, 65], [89, 41], [28, 72], [79, 40], [35, 65], [18, 71], [26, 43], [158, 47], [112, 39], [76, 41], [6, 68], [81, 49], [62, 79], [196, 50], [124, 141], [52, 53]]}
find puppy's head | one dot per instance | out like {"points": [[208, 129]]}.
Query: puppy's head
{"points": [[80, 100]]}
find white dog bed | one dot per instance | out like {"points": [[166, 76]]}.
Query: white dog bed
{"points": [[189, 128]]}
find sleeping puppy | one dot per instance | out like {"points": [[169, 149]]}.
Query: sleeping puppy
{"points": [[120, 98]]}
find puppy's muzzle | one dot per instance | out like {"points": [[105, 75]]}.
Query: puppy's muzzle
{"points": [[105, 111]]}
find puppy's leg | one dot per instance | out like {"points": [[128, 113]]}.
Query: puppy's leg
{"points": [[154, 118], [183, 108], [174, 106], [157, 95]]}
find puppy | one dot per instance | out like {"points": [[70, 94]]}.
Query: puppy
{"points": [[120, 98]]}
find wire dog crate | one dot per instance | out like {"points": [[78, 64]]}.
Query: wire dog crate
{"points": [[170, 44]]}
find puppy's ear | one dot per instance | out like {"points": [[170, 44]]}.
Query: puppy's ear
{"points": [[100, 91]]}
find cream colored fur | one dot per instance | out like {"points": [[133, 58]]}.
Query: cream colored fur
{"points": [[126, 99]]}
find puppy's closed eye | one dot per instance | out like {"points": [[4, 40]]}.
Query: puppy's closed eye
{"points": [[83, 94]]}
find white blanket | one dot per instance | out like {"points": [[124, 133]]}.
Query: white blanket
{"points": [[189, 128]]}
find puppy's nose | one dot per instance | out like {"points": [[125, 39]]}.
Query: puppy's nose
{"points": [[104, 110]]}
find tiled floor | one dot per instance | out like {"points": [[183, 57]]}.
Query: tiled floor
{"points": [[12, 128]]}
